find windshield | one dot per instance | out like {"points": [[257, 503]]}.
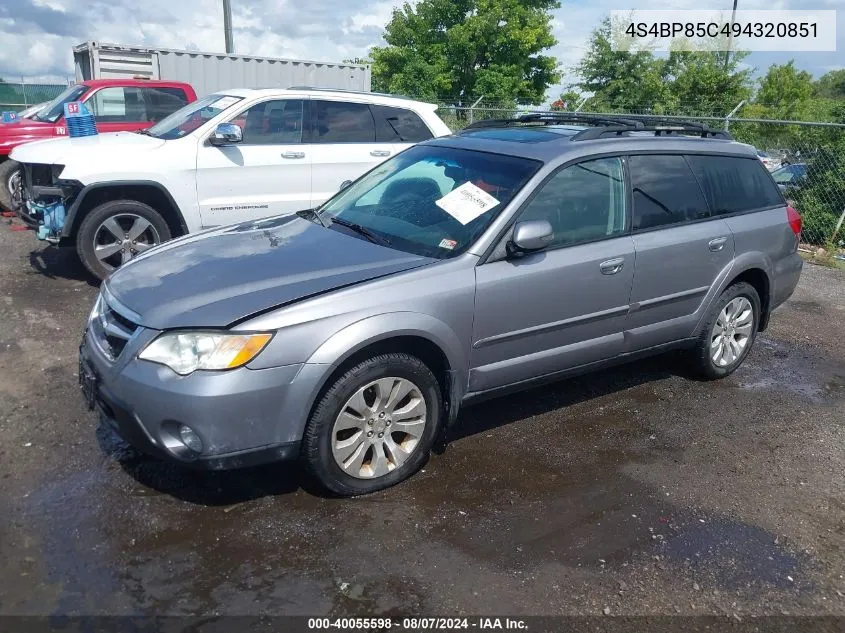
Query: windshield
{"points": [[789, 173], [189, 118], [54, 110], [429, 200]]}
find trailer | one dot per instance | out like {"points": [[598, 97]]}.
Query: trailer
{"points": [[211, 72]]}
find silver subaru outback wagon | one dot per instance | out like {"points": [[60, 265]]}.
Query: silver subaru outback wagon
{"points": [[517, 251]]}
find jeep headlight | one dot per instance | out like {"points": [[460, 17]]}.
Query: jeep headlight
{"points": [[186, 352]]}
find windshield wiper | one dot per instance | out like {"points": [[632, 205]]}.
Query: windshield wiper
{"points": [[311, 213], [361, 230], [144, 131]]}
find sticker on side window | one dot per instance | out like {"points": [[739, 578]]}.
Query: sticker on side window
{"points": [[466, 202], [450, 244]]}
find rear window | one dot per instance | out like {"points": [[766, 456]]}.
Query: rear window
{"points": [[665, 192], [733, 184], [398, 125]]}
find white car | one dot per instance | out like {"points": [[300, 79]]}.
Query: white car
{"points": [[229, 157], [769, 162]]}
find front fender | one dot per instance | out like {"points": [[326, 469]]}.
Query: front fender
{"points": [[315, 373]]}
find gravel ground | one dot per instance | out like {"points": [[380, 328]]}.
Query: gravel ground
{"points": [[633, 491]]}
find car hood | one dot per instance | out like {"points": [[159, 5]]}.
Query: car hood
{"points": [[224, 275], [58, 151], [12, 134]]}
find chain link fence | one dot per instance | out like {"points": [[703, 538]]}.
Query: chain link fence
{"points": [[806, 159], [15, 97]]}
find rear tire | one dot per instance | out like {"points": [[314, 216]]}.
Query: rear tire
{"points": [[394, 397], [8, 170], [115, 232], [728, 333]]}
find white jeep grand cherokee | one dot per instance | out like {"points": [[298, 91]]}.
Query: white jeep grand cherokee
{"points": [[229, 157]]}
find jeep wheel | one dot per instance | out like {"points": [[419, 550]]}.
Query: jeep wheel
{"points": [[10, 184], [115, 232], [729, 332], [375, 425]]}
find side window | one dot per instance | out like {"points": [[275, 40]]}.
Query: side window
{"points": [[272, 123], [583, 202], [118, 105], [665, 192], [398, 125], [734, 184], [339, 122], [162, 102]]}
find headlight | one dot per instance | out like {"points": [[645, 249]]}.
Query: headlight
{"points": [[186, 352]]}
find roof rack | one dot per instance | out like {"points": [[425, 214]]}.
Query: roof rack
{"points": [[554, 118], [660, 128], [351, 92], [604, 126]]}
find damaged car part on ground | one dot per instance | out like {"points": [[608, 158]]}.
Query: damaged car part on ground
{"points": [[465, 267]]}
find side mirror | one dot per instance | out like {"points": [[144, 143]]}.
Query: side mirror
{"points": [[530, 236], [345, 184], [226, 134]]}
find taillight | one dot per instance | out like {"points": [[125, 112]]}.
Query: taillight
{"points": [[794, 219]]}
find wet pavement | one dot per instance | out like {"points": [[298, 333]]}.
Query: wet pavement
{"points": [[635, 491]]}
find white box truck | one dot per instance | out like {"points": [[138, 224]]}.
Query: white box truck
{"points": [[209, 72]]}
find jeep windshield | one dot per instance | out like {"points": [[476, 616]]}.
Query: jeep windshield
{"points": [[190, 117], [54, 110], [429, 200]]}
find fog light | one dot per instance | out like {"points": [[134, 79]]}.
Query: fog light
{"points": [[190, 439]]}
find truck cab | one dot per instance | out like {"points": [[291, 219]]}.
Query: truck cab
{"points": [[117, 104]]}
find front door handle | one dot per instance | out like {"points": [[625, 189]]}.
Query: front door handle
{"points": [[380, 152], [612, 266], [717, 244], [293, 155]]}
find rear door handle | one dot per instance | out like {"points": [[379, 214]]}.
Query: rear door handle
{"points": [[612, 266], [717, 244], [293, 155], [380, 152]]}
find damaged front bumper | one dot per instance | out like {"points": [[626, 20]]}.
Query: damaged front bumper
{"points": [[45, 200]]}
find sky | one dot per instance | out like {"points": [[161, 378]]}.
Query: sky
{"points": [[37, 35]]}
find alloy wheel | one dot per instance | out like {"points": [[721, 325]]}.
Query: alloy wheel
{"points": [[121, 237], [732, 332], [379, 427]]}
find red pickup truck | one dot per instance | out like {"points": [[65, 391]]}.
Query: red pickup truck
{"points": [[117, 105]]}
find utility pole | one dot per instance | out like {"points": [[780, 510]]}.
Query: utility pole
{"points": [[227, 25], [730, 36]]}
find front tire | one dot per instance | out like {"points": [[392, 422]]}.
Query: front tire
{"points": [[115, 232], [729, 332], [375, 425], [10, 172]]}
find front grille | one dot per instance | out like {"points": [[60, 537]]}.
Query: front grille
{"points": [[110, 330]]}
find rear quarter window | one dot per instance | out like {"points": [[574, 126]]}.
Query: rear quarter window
{"points": [[733, 184], [399, 125]]}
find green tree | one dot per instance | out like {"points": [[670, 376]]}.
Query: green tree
{"points": [[706, 83], [831, 85], [459, 50], [628, 81], [785, 90], [568, 100]]}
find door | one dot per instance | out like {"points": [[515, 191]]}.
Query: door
{"points": [[267, 173], [566, 306], [343, 137], [681, 248], [163, 101], [118, 109]]}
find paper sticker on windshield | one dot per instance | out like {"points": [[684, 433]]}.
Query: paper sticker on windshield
{"points": [[450, 244], [466, 203], [225, 102]]}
